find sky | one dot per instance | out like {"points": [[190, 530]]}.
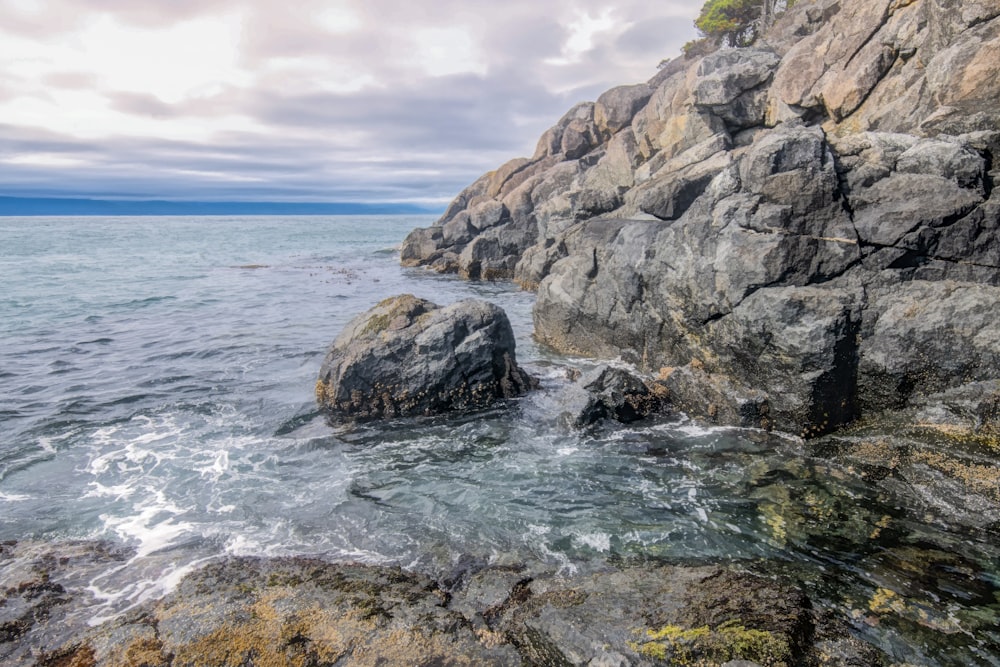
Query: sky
{"points": [[303, 100]]}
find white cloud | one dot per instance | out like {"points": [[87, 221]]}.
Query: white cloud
{"points": [[45, 160], [444, 51], [339, 18], [195, 58], [581, 36], [309, 99]]}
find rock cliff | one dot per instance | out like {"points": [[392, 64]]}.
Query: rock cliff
{"points": [[793, 235]]}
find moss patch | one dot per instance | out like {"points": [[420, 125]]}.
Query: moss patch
{"points": [[376, 324], [704, 646]]}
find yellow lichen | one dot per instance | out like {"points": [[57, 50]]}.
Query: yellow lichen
{"points": [[982, 479], [988, 436], [75, 656], [321, 391], [878, 451], [879, 525], [886, 601], [775, 522], [490, 638], [272, 637], [707, 648]]}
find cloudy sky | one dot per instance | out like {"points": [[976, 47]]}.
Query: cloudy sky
{"points": [[303, 100]]}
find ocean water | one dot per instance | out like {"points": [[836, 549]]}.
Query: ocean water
{"points": [[156, 379]]}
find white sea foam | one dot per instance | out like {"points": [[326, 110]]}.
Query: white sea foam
{"points": [[149, 527], [130, 458], [242, 545], [696, 430], [217, 468], [117, 491], [598, 541], [534, 539], [13, 497]]}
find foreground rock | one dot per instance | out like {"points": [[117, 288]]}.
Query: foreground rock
{"points": [[798, 234], [298, 611], [408, 356]]}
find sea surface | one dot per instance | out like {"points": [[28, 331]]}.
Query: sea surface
{"points": [[156, 391]]}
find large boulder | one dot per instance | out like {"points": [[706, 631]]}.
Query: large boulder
{"points": [[408, 356]]}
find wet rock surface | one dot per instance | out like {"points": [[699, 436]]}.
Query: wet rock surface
{"points": [[298, 611], [408, 356], [609, 393], [42, 598], [766, 217]]}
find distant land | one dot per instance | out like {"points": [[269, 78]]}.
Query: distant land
{"points": [[33, 206]]}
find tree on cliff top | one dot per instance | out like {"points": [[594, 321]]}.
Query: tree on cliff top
{"points": [[738, 22]]}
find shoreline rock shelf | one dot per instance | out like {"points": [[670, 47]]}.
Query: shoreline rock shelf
{"points": [[306, 611], [806, 231]]}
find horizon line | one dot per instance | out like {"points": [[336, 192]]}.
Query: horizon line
{"points": [[13, 206]]}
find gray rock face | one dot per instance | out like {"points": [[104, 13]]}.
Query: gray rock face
{"points": [[731, 84], [928, 337], [408, 356], [761, 214]]}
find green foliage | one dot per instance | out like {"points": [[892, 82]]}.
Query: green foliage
{"points": [[738, 22], [734, 21]]}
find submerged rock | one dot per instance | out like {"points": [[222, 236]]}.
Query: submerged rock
{"points": [[408, 356], [612, 393]]}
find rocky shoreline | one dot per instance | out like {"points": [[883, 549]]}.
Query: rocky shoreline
{"points": [[304, 611], [796, 235], [800, 236]]}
